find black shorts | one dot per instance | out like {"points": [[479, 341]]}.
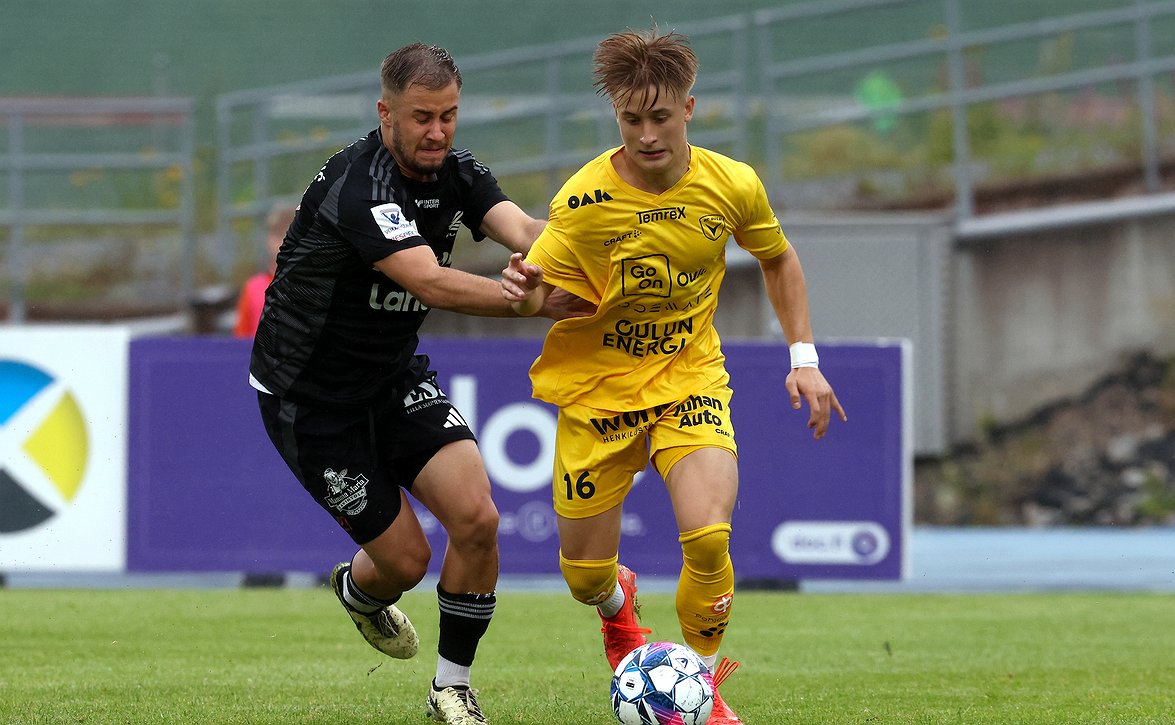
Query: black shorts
{"points": [[354, 461]]}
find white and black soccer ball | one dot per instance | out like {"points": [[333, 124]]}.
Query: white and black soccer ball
{"points": [[662, 683]]}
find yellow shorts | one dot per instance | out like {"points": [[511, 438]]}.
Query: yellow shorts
{"points": [[598, 452]]}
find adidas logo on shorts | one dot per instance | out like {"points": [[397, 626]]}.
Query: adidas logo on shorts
{"points": [[455, 420]]}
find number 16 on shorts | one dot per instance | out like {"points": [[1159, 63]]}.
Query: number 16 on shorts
{"points": [[580, 488]]}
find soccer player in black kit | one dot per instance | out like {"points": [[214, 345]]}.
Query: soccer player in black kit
{"points": [[352, 409]]}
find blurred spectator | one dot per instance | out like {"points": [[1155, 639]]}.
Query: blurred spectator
{"points": [[252, 297]]}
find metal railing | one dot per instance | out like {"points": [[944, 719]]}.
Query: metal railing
{"points": [[947, 44], [136, 174], [529, 113]]}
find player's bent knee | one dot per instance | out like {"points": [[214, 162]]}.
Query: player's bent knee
{"points": [[403, 566], [410, 571], [706, 549], [412, 575], [478, 530], [591, 581]]}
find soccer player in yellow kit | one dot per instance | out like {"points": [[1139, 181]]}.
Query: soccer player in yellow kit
{"points": [[641, 231]]}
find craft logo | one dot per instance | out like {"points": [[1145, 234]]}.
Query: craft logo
{"points": [[44, 446], [631, 234]]}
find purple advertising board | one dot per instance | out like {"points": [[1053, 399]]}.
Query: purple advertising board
{"points": [[207, 491]]}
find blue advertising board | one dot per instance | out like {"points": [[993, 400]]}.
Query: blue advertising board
{"points": [[207, 492]]}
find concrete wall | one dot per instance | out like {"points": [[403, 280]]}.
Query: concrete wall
{"points": [[1041, 315]]}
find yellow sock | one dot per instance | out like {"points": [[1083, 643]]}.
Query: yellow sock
{"points": [[705, 590], [591, 581]]}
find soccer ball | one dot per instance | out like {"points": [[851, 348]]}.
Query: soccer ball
{"points": [[662, 683]]}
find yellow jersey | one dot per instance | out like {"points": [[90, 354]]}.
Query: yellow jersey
{"points": [[653, 263]]}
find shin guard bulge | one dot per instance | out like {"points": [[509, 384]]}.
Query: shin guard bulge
{"points": [[591, 581], [705, 590]]}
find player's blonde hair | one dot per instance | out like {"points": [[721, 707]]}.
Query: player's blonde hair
{"points": [[627, 64], [430, 66]]}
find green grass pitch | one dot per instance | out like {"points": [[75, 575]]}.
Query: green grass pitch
{"points": [[292, 656]]}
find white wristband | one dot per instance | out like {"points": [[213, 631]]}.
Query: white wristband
{"points": [[803, 355]]}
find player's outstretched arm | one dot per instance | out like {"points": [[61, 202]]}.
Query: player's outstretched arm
{"points": [[416, 270], [516, 230], [788, 292]]}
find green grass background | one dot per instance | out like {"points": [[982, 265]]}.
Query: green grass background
{"points": [[292, 656]]}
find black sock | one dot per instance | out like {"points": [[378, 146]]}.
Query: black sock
{"points": [[360, 600], [464, 619]]}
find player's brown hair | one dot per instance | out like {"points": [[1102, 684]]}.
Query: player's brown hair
{"points": [[430, 66], [629, 62]]}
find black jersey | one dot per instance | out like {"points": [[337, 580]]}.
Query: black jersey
{"points": [[334, 329]]}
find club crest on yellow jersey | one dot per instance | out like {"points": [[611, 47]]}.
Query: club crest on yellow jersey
{"points": [[713, 226]]}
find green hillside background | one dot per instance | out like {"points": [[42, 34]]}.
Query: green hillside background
{"points": [[203, 48]]}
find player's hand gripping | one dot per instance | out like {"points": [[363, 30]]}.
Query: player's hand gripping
{"points": [[522, 285], [520, 279], [561, 305], [809, 384]]}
